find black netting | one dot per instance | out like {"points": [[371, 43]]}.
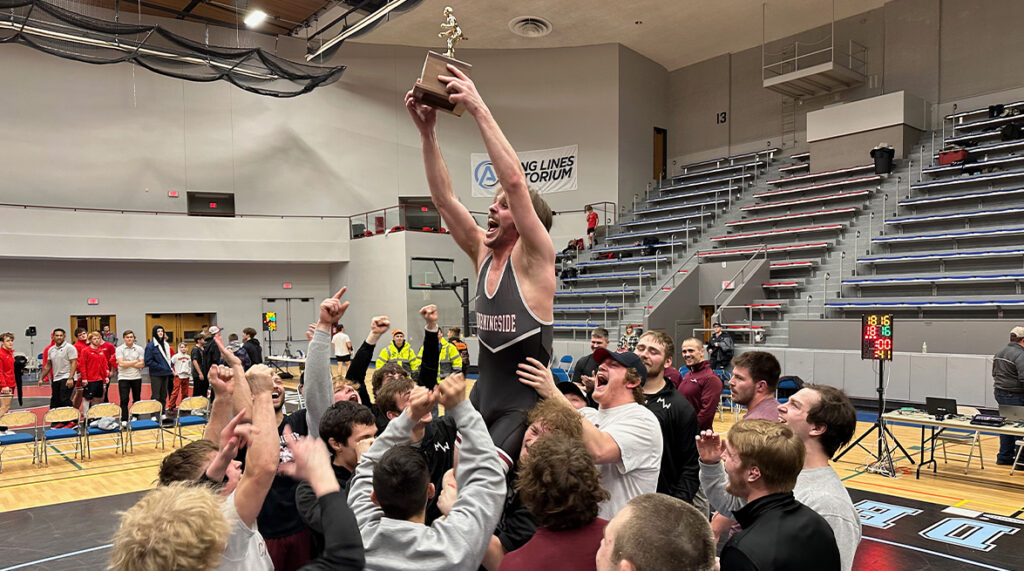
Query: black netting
{"points": [[70, 35]]}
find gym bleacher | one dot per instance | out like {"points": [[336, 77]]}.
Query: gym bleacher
{"points": [[952, 246]]}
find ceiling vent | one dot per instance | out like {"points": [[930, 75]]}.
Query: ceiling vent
{"points": [[530, 26]]}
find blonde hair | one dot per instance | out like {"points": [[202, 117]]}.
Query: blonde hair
{"points": [[179, 526], [777, 452], [93, 334]]}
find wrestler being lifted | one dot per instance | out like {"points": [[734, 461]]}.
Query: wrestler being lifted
{"points": [[514, 260]]}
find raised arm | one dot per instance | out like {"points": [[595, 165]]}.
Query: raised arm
{"points": [[464, 229], [481, 481], [431, 349], [223, 383], [506, 163], [319, 388], [601, 445], [312, 464], [242, 395], [379, 325], [263, 454]]}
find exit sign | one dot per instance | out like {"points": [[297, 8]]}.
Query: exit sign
{"points": [[93, 301]]}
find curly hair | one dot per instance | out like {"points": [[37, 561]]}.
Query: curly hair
{"points": [[387, 370], [559, 483], [556, 417], [186, 463], [387, 395], [172, 527]]}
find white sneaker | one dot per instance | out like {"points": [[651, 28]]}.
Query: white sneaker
{"points": [[124, 424]]}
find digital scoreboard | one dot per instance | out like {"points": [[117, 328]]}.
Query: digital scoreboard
{"points": [[270, 321], [876, 336]]}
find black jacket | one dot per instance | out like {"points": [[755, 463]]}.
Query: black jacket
{"points": [[720, 350], [344, 549], [255, 352], [1008, 369], [780, 533], [680, 472]]}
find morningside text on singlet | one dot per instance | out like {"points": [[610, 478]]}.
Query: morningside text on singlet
{"points": [[501, 323]]}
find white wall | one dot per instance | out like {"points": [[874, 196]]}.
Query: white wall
{"points": [[35, 233], [45, 292]]}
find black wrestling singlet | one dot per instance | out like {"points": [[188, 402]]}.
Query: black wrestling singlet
{"points": [[509, 333]]}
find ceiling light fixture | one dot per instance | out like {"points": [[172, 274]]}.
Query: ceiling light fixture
{"points": [[356, 28], [255, 18]]}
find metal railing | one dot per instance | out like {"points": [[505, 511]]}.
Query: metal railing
{"points": [[855, 56], [664, 288], [740, 275]]}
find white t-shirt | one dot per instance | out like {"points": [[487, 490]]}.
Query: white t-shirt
{"points": [[340, 342], [126, 353], [60, 358], [246, 550], [638, 434], [182, 365]]}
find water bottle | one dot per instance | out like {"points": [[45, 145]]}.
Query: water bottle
{"points": [[924, 347]]}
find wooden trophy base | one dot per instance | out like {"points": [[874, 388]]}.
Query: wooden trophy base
{"points": [[429, 91]]}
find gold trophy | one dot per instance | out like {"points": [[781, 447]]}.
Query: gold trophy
{"points": [[428, 90]]}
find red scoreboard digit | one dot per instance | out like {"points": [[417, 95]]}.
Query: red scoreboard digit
{"points": [[876, 336]]}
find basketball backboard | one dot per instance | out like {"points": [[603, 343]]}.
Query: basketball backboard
{"points": [[431, 273]]}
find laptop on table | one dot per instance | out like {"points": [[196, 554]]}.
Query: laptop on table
{"points": [[940, 408]]}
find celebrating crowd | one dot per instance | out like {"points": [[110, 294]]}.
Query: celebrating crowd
{"points": [[619, 468]]}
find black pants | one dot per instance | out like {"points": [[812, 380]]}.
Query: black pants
{"points": [[60, 393], [123, 388], [160, 384], [200, 387]]}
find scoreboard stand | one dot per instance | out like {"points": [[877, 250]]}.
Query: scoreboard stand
{"points": [[876, 345]]}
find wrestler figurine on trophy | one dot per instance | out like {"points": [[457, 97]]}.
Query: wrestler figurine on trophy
{"points": [[428, 90]]}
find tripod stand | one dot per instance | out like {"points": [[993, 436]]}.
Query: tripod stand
{"points": [[883, 459]]}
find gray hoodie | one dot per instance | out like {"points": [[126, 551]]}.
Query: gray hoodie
{"points": [[456, 542]]}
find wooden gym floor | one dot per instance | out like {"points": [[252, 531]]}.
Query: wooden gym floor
{"points": [[58, 497]]}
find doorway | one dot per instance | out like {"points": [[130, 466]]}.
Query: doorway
{"points": [[660, 152], [91, 323], [178, 326], [709, 316]]}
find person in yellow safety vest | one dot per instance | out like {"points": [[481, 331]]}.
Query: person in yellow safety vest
{"points": [[399, 352], [449, 359]]}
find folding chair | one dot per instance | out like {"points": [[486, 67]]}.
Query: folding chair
{"points": [[146, 408], [191, 405], [725, 401], [566, 362], [62, 414], [1016, 459], [955, 436], [17, 419], [96, 412], [559, 374]]}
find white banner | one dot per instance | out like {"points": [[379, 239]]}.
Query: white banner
{"points": [[547, 170]]}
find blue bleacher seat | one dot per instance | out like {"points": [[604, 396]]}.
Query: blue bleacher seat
{"points": [[956, 216], [967, 180], [930, 279], [933, 256], [964, 235], [942, 200]]}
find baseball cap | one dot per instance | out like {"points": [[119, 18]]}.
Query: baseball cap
{"points": [[627, 359], [1018, 332], [570, 388]]}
